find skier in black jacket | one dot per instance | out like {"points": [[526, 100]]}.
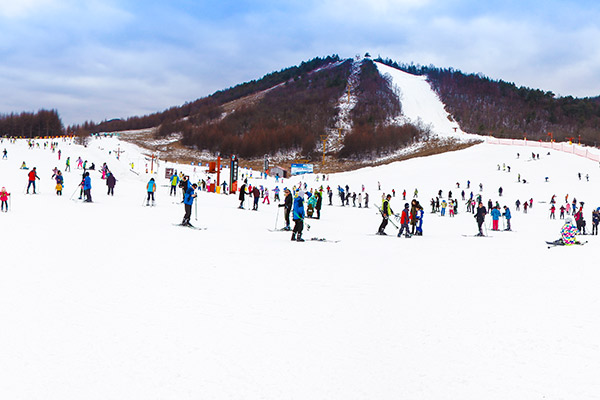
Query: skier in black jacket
{"points": [[287, 208], [243, 194], [480, 217]]}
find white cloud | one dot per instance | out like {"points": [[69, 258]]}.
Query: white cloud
{"points": [[23, 8]]}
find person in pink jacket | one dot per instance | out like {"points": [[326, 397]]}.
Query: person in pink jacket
{"points": [[4, 200]]}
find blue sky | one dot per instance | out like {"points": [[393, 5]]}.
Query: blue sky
{"points": [[103, 59]]}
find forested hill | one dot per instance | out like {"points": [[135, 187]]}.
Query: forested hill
{"points": [[344, 105], [498, 108]]}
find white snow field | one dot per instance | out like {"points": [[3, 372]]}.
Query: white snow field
{"points": [[110, 300], [420, 104]]}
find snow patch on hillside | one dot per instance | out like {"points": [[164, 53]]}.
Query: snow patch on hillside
{"points": [[420, 103]]}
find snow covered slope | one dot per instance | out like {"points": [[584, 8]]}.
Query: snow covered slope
{"points": [[420, 103], [109, 300]]}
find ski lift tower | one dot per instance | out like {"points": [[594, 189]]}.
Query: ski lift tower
{"points": [[215, 168]]}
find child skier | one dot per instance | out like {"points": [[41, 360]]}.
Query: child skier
{"points": [[420, 214], [59, 183], [4, 199], [404, 220], [151, 188], [188, 200]]}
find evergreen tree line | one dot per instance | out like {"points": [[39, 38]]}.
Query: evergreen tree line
{"points": [[30, 125], [498, 108]]}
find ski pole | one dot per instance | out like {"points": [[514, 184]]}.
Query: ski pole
{"points": [[276, 218], [74, 191]]}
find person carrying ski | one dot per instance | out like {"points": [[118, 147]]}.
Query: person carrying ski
{"points": [[386, 213], [188, 200], [404, 220], [287, 208], [506, 214], [4, 199], [32, 177], [298, 216], [480, 218], [150, 188]]}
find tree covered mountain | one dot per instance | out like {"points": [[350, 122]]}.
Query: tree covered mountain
{"points": [[501, 109], [293, 109]]}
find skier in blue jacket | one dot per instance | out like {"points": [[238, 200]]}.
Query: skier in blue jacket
{"points": [[495, 213], [151, 188], [188, 200], [87, 187], [298, 216], [507, 215]]}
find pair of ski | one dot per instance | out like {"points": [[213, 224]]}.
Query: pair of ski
{"points": [[559, 242], [281, 230], [313, 239], [198, 228]]}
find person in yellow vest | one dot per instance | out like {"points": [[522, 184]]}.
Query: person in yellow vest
{"points": [[386, 213], [174, 182]]}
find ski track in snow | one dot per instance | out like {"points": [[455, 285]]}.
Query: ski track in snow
{"points": [[109, 300]]}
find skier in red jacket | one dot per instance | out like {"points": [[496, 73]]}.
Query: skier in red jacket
{"points": [[32, 177]]}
